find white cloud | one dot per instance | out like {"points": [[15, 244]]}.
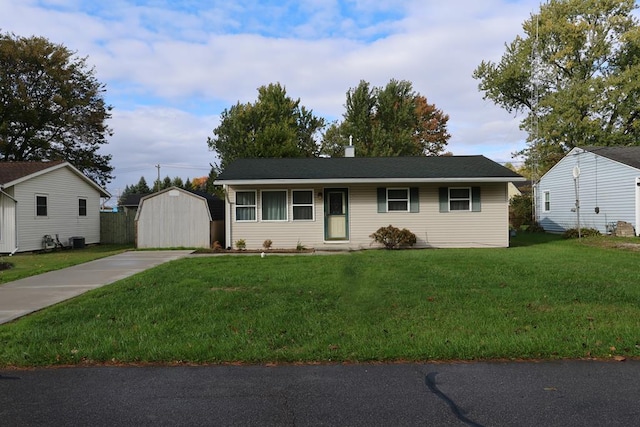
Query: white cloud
{"points": [[171, 70]]}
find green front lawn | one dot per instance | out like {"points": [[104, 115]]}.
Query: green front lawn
{"points": [[541, 298]]}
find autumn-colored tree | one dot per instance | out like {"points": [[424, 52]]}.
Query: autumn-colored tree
{"points": [[388, 121]]}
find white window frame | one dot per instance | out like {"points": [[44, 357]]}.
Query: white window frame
{"points": [[294, 205], [254, 206], [407, 199], [546, 201], [460, 199], [46, 199], [286, 205]]}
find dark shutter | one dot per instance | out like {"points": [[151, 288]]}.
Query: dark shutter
{"points": [[414, 199], [444, 199], [382, 200], [475, 199]]}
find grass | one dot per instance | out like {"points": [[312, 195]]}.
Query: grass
{"points": [[542, 298], [29, 264]]}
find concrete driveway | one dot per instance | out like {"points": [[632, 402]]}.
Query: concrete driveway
{"points": [[34, 293]]}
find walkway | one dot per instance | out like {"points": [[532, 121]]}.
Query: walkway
{"points": [[34, 293]]}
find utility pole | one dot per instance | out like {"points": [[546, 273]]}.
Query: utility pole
{"points": [[158, 180]]}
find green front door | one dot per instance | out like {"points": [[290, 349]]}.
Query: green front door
{"points": [[336, 214]]}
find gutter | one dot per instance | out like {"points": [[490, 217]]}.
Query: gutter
{"points": [[289, 181]]}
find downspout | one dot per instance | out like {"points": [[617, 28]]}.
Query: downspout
{"points": [[227, 218]]}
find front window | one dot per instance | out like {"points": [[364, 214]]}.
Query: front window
{"points": [[274, 205], [302, 205], [246, 206], [82, 207], [398, 199], [41, 205], [460, 199]]}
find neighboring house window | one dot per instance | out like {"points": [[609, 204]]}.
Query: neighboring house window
{"points": [[302, 201], [82, 207], [459, 199], [246, 206], [398, 200], [274, 205], [41, 205], [547, 201]]}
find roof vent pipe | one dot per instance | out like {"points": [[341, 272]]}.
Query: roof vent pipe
{"points": [[350, 150]]}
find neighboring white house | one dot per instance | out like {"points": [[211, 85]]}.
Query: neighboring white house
{"points": [[607, 187], [337, 203], [175, 217], [46, 198]]}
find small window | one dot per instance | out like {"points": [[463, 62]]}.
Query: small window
{"points": [[274, 205], [246, 206], [547, 201], [302, 205], [41, 206], [82, 207], [397, 199], [460, 199]]}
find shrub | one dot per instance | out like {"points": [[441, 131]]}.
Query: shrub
{"points": [[241, 244], [393, 238], [217, 246], [572, 233], [267, 244], [520, 211]]}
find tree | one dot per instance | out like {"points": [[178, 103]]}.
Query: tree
{"points": [[177, 182], [51, 106], [576, 75], [140, 188], [388, 121], [273, 126]]}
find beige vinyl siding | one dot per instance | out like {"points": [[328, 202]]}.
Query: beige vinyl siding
{"points": [[63, 188], [171, 219], [283, 234], [487, 228]]}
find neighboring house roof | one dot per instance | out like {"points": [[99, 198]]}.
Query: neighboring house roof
{"points": [[627, 155], [12, 173], [132, 200], [366, 169]]}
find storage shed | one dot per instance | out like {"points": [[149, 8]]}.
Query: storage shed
{"points": [[175, 217]]}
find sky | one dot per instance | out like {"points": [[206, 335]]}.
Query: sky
{"points": [[172, 67]]}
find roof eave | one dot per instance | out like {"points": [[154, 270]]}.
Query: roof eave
{"points": [[103, 193], [364, 180]]}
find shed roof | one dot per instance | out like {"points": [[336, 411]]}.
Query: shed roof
{"points": [[367, 169], [214, 203]]}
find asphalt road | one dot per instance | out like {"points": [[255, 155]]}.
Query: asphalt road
{"points": [[561, 393]]}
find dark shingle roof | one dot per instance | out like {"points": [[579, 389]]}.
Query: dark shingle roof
{"points": [[216, 204], [10, 171], [132, 200], [445, 167], [627, 155]]}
